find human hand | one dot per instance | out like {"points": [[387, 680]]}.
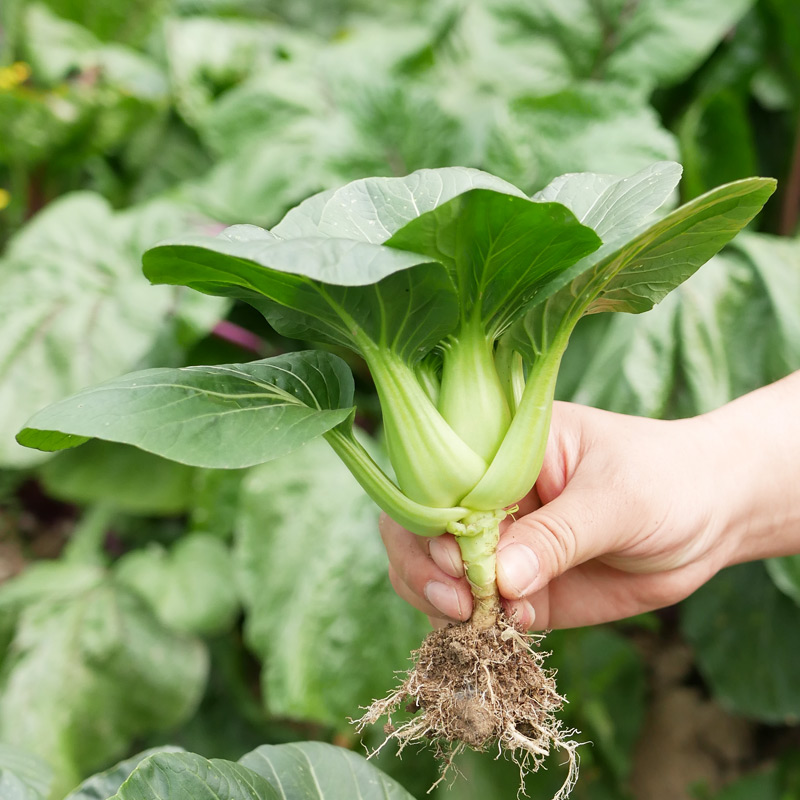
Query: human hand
{"points": [[628, 515]]}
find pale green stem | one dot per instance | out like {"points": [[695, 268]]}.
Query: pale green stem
{"points": [[420, 519], [477, 535]]}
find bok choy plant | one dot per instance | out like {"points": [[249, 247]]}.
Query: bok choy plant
{"points": [[460, 293]]}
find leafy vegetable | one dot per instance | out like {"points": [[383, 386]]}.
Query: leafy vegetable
{"points": [[459, 293]]}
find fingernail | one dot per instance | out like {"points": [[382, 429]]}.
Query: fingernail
{"points": [[518, 568], [443, 598], [445, 559]]}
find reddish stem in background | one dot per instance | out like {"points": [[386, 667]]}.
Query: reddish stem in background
{"points": [[236, 334], [790, 208]]}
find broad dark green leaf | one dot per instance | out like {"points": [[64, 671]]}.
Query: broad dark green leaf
{"points": [[88, 673], [226, 417], [499, 249], [319, 771], [746, 638], [190, 588], [320, 610], [74, 309], [121, 477], [105, 784], [187, 776]]}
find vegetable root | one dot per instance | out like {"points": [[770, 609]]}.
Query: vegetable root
{"points": [[480, 688]]}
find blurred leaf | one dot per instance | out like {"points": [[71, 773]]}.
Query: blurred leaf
{"points": [[216, 501], [590, 128], [23, 776], [717, 144], [186, 776], [57, 47], [649, 42], [121, 477], [105, 784], [746, 637], [623, 363], [191, 588], [86, 674], [127, 22], [319, 771], [74, 308], [602, 675], [194, 414], [785, 572], [320, 610]]}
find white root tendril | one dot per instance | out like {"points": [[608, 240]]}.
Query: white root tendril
{"points": [[481, 689]]}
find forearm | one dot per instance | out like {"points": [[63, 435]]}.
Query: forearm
{"points": [[757, 459]]}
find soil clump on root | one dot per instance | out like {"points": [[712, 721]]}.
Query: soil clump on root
{"points": [[482, 689]]}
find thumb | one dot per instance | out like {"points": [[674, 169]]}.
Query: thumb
{"points": [[575, 527]]}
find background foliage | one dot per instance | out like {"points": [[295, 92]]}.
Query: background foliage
{"points": [[222, 610]]}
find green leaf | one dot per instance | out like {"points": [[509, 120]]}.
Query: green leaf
{"points": [[623, 363], [191, 588], [194, 415], [340, 290], [649, 42], [186, 776], [121, 477], [105, 784], [320, 612], [87, 674], [640, 273], [614, 207], [74, 309], [785, 573], [319, 771], [23, 776], [590, 127], [499, 249], [746, 637]]}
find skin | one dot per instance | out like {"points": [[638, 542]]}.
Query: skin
{"points": [[628, 514]]}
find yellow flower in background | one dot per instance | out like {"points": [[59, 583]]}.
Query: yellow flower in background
{"points": [[14, 75], [5, 198]]}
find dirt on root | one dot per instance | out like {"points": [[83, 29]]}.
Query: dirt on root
{"points": [[484, 689]]}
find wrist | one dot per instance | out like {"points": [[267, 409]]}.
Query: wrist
{"points": [[755, 442]]}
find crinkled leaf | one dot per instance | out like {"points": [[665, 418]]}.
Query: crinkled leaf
{"points": [[121, 477], [226, 416], [74, 309], [746, 637], [187, 776], [191, 587], [105, 784], [320, 611], [499, 249], [86, 674], [320, 771]]}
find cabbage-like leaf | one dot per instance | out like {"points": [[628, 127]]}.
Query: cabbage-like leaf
{"points": [[227, 416]]}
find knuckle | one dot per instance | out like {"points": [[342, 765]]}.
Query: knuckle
{"points": [[554, 541]]}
